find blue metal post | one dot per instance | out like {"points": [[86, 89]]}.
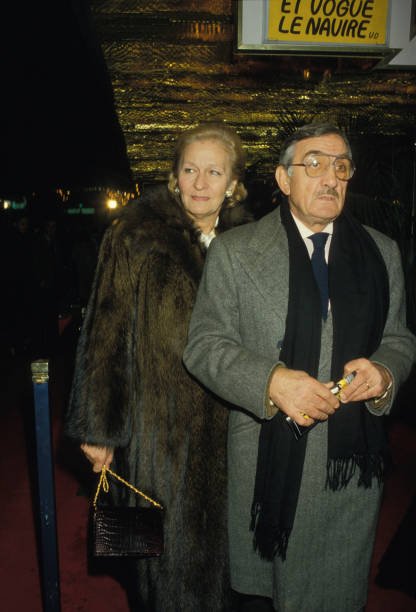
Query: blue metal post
{"points": [[47, 541]]}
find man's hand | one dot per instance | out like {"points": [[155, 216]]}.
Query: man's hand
{"points": [[302, 397], [371, 381], [98, 456]]}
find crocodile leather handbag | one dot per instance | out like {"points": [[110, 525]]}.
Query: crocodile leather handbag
{"points": [[126, 531]]}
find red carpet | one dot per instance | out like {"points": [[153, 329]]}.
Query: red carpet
{"points": [[20, 584], [80, 592]]}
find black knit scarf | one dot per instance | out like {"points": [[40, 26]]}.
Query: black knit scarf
{"points": [[359, 295]]}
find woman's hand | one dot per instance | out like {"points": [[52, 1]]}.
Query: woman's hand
{"points": [[99, 456]]}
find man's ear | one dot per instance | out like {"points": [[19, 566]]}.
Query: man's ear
{"points": [[283, 179]]}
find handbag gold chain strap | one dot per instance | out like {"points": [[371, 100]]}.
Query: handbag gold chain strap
{"points": [[103, 482]]}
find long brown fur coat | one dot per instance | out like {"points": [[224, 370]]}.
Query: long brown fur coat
{"points": [[131, 391]]}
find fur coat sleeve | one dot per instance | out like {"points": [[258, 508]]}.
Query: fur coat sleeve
{"points": [[104, 388]]}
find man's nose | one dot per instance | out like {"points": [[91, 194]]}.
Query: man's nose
{"points": [[330, 178]]}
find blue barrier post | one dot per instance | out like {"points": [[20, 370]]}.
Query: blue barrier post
{"points": [[47, 541]]}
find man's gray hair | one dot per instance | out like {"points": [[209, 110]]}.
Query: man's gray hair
{"points": [[312, 130]]}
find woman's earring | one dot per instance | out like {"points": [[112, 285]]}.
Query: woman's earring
{"points": [[176, 190], [228, 193]]}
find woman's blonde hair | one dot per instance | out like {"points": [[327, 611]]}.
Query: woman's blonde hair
{"points": [[228, 137]]}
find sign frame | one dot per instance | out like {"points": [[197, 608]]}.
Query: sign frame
{"points": [[400, 30]]}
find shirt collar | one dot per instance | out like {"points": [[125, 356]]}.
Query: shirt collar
{"points": [[305, 232], [206, 238]]}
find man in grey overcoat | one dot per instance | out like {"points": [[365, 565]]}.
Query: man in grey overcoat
{"points": [[287, 307]]}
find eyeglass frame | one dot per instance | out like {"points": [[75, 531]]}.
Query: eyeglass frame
{"points": [[353, 168]]}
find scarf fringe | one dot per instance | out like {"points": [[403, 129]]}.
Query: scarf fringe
{"points": [[341, 470], [270, 540]]}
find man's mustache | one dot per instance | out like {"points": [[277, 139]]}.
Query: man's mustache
{"points": [[329, 191]]}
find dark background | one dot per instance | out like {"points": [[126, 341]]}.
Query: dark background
{"points": [[59, 128]]}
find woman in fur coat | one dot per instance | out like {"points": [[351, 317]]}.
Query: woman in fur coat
{"points": [[133, 405]]}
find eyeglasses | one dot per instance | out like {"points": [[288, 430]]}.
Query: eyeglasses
{"points": [[317, 164]]}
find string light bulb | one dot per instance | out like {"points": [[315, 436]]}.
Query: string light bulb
{"points": [[112, 203]]}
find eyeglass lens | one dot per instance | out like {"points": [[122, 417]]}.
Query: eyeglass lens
{"points": [[317, 164]]}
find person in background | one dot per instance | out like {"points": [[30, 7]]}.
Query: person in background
{"points": [[286, 307], [18, 285], [133, 405], [84, 253], [48, 281]]}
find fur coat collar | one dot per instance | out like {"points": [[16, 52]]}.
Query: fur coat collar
{"points": [[156, 221]]}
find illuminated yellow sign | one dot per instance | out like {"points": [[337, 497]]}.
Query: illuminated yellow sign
{"points": [[352, 22]]}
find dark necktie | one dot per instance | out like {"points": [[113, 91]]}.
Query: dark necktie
{"points": [[320, 268]]}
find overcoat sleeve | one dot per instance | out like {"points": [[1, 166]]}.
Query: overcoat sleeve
{"points": [[103, 390], [215, 353], [397, 350]]}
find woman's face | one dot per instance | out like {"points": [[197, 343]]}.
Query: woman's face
{"points": [[203, 178]]}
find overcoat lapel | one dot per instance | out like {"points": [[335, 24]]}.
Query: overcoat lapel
{"points": [[265, 259]]}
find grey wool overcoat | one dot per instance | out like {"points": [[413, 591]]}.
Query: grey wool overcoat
{"points": [[235, 336]]}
